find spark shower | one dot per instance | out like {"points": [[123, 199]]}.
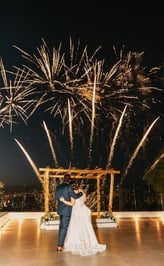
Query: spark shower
{"points": [[104, 112]]}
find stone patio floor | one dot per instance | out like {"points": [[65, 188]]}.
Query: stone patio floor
{"points": [[135, 242]]}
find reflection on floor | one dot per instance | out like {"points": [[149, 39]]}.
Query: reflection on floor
{"points": [[137, 242]]}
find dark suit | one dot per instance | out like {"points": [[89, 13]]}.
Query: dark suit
{"points": [[64, 211]]}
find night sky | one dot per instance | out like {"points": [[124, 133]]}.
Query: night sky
{"points": [[25, 25]]}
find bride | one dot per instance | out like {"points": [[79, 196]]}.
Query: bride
{"points": [[81, 238]]}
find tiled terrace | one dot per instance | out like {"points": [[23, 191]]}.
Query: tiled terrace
{"points": [[136, 241]]}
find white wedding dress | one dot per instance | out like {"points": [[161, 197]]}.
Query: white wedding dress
{"points": [[81, 238]]}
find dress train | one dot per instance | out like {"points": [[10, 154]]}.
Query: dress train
{"points": [[81, 238]]}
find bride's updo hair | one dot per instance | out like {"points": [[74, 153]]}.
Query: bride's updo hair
{"points": [[75, 186]]}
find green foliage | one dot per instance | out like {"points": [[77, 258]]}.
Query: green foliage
{"points": [[155, 176]]}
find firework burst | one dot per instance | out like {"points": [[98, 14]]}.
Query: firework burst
{"points": [[58, 76], [58, 82], [15, 99], [88, 96]]}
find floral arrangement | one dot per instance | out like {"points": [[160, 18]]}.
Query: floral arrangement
{"points": [[108, 215], [47, 218]]}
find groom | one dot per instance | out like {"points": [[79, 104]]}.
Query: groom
{"points": [[63, 210]]}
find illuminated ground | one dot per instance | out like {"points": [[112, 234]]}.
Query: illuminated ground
{"points": [[137, 242]]}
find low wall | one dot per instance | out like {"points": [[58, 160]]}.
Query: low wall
{"points": [[142, 214], [26, 215], [38, 215]]}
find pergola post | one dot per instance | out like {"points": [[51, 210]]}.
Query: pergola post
{"points": [[111, 192], [46, 190], [98, 198]]}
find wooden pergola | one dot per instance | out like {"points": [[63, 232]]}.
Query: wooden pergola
{"points": [[98, 174]]}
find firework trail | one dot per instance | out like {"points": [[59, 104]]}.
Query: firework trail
{"points": [[92, 121], [140, 145], [51, 145], [70, 125], [114, 140], [154, 164], [34, 167]]}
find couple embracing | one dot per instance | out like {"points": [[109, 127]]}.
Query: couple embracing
{"points": [[76, 233]]}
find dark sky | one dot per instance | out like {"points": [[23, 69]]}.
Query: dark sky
{"points": [[94, 23]]}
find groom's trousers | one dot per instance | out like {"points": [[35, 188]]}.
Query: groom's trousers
{"points": [[63, 226]]}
